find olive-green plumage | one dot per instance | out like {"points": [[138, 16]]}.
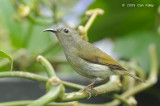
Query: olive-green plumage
{"points": [[87, 59]]}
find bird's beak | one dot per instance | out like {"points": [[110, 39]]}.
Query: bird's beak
{"points": [[50, 30]]}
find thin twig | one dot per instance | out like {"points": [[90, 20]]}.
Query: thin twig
{"points": [[93, 14]]}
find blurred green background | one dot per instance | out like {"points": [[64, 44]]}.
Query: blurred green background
{"points": [[131, 28]]}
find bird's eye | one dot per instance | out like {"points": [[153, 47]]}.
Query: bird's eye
{"points": [[66, 30]]}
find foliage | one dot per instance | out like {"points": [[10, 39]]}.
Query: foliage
{"points": [[4, 55], [132, 29]]}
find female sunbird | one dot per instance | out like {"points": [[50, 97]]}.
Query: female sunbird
{"points": [[86, 59]]}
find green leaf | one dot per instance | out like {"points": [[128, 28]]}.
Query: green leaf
{"points": [[4, 55], [119, 21], [135, 45]]}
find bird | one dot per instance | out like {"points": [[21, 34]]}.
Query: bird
{"points": [[86, 59]]}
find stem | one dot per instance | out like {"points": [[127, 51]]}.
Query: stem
{"points": [[88, 25], [25, 102], [26, 75], [131, 83], [154, 64], [90, 21], [35, 77], [93, 14], [150, 82], [73, 86], [16, 103], [118, 97], [105, 88], [138, 70], [111, 86], [51, 95], [152, 77], [47, 65], [83, 104], [132, 65], [55, 86]]}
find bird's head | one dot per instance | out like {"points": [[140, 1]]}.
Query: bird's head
{"points": [[64, 33], [67, 36]]}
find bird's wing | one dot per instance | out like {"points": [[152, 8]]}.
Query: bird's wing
{"points": [[95, 55]]}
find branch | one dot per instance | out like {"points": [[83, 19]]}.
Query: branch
{"points": [[51, 95], [111, 86], [26, 102], [72, 85], [26, 75], [54, 84], [118, 97], [47, 65], [35, 77], [150, 81]]}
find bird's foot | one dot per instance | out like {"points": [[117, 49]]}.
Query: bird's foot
{"points": [[89, 94], [90, 87]]}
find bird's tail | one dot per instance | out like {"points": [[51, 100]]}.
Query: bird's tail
{"points": [[137, 78]]}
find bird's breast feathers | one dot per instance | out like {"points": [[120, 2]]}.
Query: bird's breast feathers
{"points": [[88, 69]]}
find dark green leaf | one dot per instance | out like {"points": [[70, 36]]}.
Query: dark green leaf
{"points": [[4, 55], [118, 20], [135, 45]]}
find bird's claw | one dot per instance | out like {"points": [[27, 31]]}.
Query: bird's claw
{"points": [[90, 86], [95, 91], [89, 93]]}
